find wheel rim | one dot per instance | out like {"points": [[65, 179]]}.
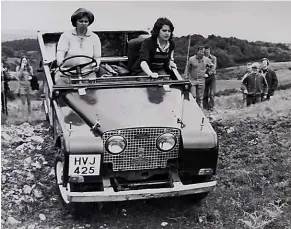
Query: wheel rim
{"points": [[59, 175]]}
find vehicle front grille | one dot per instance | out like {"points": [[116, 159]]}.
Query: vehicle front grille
{"points": [[140, 153]]}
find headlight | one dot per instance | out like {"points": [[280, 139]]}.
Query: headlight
{"points": [[166, 142], [115, 144]]}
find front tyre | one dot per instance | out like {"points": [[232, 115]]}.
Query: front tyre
{"points": [[76, 209]]}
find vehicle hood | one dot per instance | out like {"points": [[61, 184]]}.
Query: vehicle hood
{"points": [[128, 107]]}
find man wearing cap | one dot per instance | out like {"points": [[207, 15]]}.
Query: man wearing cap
{"points": [[210, 81], [196, 73], [243, 87], [256, 85], [270, 76]]}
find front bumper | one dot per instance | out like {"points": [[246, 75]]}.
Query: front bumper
{"points": [[109, 194]]}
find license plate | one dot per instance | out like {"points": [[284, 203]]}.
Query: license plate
{"points": [[84, 165]]}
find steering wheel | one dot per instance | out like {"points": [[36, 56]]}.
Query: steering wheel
{"points": [[77, 69]]}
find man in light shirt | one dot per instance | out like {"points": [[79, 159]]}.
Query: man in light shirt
{"points": [[196, 73]]}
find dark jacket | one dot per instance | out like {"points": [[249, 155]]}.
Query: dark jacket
{"points": [[271, 79], [256, 84], [4, 80], [34, 83], [147, 53]]}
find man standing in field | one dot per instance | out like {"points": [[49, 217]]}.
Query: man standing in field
{"points": [[243, 87], [196, 73], [210, 81], [256, 85], [270, 76]]}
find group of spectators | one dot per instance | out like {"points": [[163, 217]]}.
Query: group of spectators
{"points": [[259, 83], [148, 55]]}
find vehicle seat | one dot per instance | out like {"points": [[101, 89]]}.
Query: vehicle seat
{"points": [[134, 46]]}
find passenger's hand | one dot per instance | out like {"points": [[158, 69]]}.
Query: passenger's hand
{"points": [[206, 75], [172, 65], [154, 75]]}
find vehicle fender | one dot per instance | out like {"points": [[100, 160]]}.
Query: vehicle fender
{"points": [[85, 144], [197, 132]]}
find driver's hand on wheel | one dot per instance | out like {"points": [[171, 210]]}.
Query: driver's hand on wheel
{"points": [[59, 63], [154, 75], [96, 69]]}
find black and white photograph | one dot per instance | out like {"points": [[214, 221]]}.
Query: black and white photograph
{"points": [[145, 114]]}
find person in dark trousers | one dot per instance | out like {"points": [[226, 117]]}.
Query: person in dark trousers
{"points": [[243, 88], [256, 85], [270, 76], [4, 89], [210, 81], [157, 52]]}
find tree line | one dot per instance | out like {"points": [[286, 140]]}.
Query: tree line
{"points": [[229, 51]]}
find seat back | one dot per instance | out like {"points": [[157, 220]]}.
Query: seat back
{"points": [[133, 51]]}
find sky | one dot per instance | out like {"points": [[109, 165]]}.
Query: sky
{"points": [[251, 20]]}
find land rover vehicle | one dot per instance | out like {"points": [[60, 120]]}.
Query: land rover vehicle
{"points": [[126, 137]]}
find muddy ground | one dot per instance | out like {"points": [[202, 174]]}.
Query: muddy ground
{"points": [[253, 191]]}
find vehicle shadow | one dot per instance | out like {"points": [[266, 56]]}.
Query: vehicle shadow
{"points": [[143, 213]]}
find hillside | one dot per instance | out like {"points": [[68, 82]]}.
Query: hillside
{"points": [[229, 51], [253, 189]]}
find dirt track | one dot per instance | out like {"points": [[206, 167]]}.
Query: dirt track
{"points": [[254, 183]]}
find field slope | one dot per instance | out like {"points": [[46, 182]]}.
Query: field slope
{"points": [[254, 181]]}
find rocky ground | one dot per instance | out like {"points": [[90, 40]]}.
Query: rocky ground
{"points": [[254, 177]]}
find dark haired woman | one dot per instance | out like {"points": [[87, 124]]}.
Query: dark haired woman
{"points": [[79, 41], [157, 52], [24, 74]]}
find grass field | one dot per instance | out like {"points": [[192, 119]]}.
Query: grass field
{"points": [[253, 189], [227, 78]]}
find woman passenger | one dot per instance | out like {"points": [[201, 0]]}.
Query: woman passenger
{"points": [[157, 52]]}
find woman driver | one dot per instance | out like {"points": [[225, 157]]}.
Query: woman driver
{"points": [[79, 41]]}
